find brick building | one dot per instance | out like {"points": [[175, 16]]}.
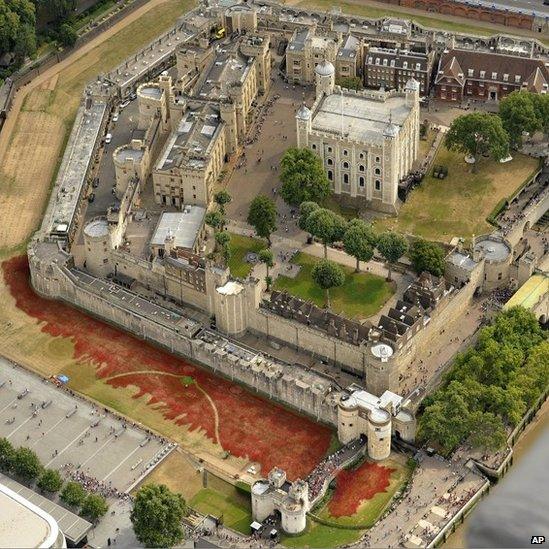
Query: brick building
{"points": [[393, 67], [487, 76]]}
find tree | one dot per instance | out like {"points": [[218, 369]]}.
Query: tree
{"points": [[67, 34], [356, 242], [303, 177], [262, 216], [478, 134], [222, 198], [427, 256], [328, 274], [266, 256], [306, 209], [223, 245], [541, 106], [518, 114], [350, 83], [216, 220], [26, 464], [487, 431], [94, 507], [7, 453], [17, 28], [392, 247], [50, 481], [156, 516], [327, 226], [73, 494]]}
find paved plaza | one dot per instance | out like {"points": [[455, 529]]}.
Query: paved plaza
{"points": [[68, 433]]}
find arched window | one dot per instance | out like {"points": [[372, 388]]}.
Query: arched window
{"points": [[361, 168], [345, 152], [329, 161], [378, 185], [378, 159], [330, 175], [361, 181], [345, 165], [377, 171], [313, 146], [345, 178]]}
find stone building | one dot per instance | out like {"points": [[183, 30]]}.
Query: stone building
{"points": [[464, 74], [391, 68], [132, 160], [367, 141]]}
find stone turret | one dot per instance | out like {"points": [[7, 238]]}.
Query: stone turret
{"points": [[324, 78], [303, 122]]}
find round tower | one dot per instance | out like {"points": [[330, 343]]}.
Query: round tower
{"points": [[412, 92], [97, 246], [303, 123], [379, 434], [347, 419], [293, 516], [324, 78], [262, 500]]}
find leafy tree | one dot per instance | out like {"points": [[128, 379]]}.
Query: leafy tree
{"points": [[328, 274], [67, 34], [17, 28], [156, 516], [26, 464], [7, 454], [223, 245], [266, 256], [392, 247], [541, 106], [350, 83], [427, 256], [216, 220], [357, 242], [487, 431], [518, 115], [73, 494], [57, 9], [262, 216], [303, 177], [478, 134], [222, 198], [327, 226], [305, 209], [50, 481], [94, 507]]}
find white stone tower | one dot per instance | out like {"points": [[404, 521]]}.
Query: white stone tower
{"points": [[390, 163], [97, 247], [324, 78], [303, 121]]}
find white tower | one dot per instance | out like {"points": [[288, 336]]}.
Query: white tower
{"points": [[303, 122], [324, 78]]}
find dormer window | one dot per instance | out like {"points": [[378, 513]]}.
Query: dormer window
{"points": [[506, 78], [494, 76], [377, 60], [405, 64], [517, 78], [482, 74], [385, 62], [470, 72]]}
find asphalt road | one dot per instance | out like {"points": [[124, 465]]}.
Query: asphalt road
{"points": [[525, 6]]}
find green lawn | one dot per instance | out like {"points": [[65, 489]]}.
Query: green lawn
{"points": [[235, 513], [240, 246], [322, 535], [361, 296], [440, 209], [445, 22]]}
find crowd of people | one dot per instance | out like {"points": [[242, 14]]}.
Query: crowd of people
{"points": [[330, 465], [91, 484]]}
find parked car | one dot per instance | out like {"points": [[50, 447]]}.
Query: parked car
{"points": [[115, 117], [124, 104], [108, 138], [91, 198]]}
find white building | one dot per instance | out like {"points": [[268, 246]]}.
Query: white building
{"points": [[367, 140], [23, 524]]}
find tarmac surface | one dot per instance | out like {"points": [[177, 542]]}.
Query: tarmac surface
{"points": [[71, 434]]}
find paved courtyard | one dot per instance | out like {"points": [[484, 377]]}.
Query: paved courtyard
{"points": [[73, 435]]}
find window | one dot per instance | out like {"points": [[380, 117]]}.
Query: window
{"points": [[482, 74], [470, 72], [392, 62], [361, 156], [378, 159], [506, 78], [330, 175], [385, 62], [361, 181], [418, 67], [345, 165], [517, 78], [345, 152], [377, 60], [377, 171], [313, 146], [405, 64], [361, 168], [330, 162], [378, 185], [329, 149], [346, 178], [494, 76]]}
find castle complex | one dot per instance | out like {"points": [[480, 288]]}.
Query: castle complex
{"points": [[196, 102]]}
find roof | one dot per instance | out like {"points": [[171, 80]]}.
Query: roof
{"points": [[398, 56], [230, 288], [457, 63], [492, 250], [325, 68], [529, 294], [33, 520], [350, 47], [462, 260], [184, 226], [364, 118], [189, 145], [152, 91], [297, 41]]}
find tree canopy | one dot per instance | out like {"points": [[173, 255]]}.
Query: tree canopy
{"points": [[392, 246], [357, 241], [262, 216], [156, 516], [478, 134], [94, 507], [50, 481], [518, 114], [26, 464], [327, 226], [17, 28], [303, 177], [427, 256], [490, 386], [73, 494], [266, 257], [328, 274], [7, 453], [222, 198]]}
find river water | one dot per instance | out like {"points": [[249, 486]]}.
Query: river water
{"points": [[458, 539]]}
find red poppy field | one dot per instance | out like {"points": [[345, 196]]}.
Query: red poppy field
{"points": [[357, 486], [244, 424]]}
